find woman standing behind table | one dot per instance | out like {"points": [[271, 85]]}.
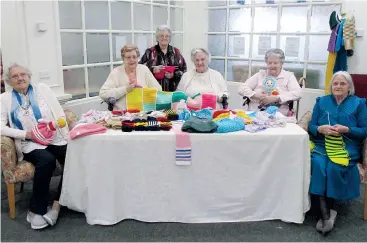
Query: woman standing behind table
{"points": [[123, 79], [161, 55], [285, 83]]}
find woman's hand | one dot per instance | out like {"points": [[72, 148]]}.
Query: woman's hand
{"points": [[269, 99], [340, 129], [168, 75], [157, 69], [130, 88], [28, 135], [259, 95], [327, 130]]}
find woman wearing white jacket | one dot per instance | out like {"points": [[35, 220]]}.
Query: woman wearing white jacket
{"points": [[202, 79], [21, 109]]}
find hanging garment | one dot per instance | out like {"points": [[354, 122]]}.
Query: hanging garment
{"points": [[349, 33], [329, 70], [341, 60], [332, 40]]}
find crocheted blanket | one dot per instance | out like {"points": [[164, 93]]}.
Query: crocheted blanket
{"points": [[150, 99]]}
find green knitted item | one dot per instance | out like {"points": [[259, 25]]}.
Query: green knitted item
{"points": [[335, 149]]}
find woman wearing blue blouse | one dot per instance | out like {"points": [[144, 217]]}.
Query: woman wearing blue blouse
{"points": [[338, 127]]}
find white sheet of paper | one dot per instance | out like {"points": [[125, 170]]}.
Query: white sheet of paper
{"points": [[141, 42], [120, 41], [292, 46], [239, 46], [264, 44]]}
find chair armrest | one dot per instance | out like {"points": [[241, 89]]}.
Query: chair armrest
{"points": [[8, 158]]}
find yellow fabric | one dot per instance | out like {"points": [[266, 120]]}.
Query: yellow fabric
{"points": [[244, 116], [329, 70], [134, 99], [149, 95], [312, 145]]}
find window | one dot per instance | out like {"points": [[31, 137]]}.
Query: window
{"points": [[93, 33], [241, 31]]}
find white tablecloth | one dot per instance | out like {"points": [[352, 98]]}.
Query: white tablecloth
{"points": [[233, 177]]}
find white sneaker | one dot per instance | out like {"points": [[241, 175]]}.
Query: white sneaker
{"points": [[36, 221], [51, 216]]}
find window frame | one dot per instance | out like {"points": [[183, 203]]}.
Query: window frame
{"points": [[111, 63], [279, 4]]}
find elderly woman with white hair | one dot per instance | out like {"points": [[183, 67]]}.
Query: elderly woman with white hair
{"points": [[338, 128], [21, 110], [273, 86], [203, 79], [157, 58]]}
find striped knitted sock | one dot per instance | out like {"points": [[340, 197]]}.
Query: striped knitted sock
{"points": [[183, 147]]}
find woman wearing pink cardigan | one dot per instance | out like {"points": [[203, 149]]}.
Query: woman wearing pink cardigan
{"points": [[273, 86]]}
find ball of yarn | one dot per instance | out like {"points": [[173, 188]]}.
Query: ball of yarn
{"points": [[62, 122]]}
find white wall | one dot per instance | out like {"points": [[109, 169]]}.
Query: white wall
{"points": [[22, 43], [358, 62], [41, 51]]}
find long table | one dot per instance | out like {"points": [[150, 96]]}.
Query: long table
{"points": [[233, 177]]}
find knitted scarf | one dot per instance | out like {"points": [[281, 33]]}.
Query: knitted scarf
{"points": [[16, 106]]}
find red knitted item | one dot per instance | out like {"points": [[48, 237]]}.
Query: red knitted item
{"points": [[209, 101], [163, 119], [42, 134]]}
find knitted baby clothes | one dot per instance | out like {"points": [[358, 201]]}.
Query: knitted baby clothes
{"points": [[204, 113], [226, 125]]}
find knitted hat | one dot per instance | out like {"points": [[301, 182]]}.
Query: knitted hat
{"points": [[171, 115], [42, 134], [162, 119], [151, 118], [165, 126], [153, 126], [140, 124], [84, 129], [127, 126], [333, 20]]}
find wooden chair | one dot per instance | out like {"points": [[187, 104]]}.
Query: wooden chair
{"points": [[19, 172]]}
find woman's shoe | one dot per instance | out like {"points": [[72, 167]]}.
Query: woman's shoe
{"points": [[51, 216], [329, 224], [36, 221]]}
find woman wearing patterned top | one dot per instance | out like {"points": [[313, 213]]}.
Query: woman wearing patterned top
{"points": [[338, 126], [21, 110], [161, 55]]}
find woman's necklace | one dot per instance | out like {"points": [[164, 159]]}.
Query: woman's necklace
{"points": [[25, 105]]}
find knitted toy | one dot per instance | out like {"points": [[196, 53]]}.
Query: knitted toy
{"points": [[150, 99], [44, 132], [270, 84]]}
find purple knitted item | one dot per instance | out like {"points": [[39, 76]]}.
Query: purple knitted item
{"points": [[332, 40]]}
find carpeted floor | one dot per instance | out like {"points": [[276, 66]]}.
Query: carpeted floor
{"points": [[72, 226]]}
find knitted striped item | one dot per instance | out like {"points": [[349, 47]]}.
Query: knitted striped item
{"points": [[349, 33], [42, 134], [149, 99], [183, 147], [335, 149]]}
